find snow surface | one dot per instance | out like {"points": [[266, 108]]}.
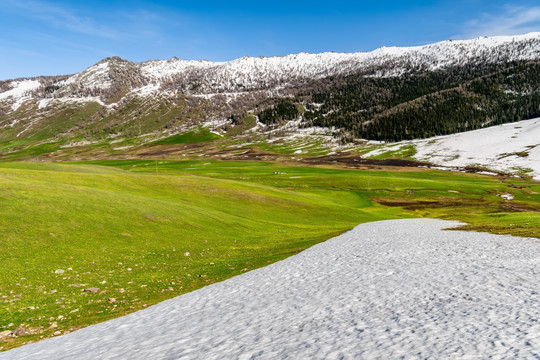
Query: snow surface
{"points": [[157, 69], [512, 148], [502, 147], [20, 92], [96, 76], [389, 289], [20, 88]]}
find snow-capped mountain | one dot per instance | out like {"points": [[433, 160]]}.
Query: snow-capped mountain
{"points": [[250, 73], [392, 93]]}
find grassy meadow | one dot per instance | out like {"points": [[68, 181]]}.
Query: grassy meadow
{"points": [[136, 232]]}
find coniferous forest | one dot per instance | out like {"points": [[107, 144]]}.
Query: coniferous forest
{"points": [[416, 105]]}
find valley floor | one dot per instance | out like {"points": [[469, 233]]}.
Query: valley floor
{"points": [[385, 289]]}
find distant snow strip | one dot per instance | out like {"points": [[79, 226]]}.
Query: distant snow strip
{"points": [[513, 147], [389, 289]]}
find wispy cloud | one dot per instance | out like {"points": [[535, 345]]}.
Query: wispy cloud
{"points": [[62, 18], [55, 42], [13, 49], [511, 20]]}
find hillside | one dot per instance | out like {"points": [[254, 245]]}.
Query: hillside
{"points": [[90, 241], [388, 94]]}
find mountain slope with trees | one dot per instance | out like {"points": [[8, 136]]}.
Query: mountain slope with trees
{"points": [[389, 94]]}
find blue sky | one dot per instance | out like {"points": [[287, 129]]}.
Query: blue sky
{"points": [[47, 37]]}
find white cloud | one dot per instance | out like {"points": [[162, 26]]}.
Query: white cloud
{"points": [[63, 17], [60, 17], [511, 21]]}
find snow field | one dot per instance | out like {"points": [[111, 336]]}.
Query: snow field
{"points": [[511, 147]]}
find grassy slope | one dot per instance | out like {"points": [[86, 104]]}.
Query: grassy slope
{"points": [[126, 230], [201, 134], [467, 197]]}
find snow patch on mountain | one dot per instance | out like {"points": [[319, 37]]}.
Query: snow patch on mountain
{"points": [[20, 92], [44, 103], [20, 89], [147, 90], [160, 69], [96, 76]]}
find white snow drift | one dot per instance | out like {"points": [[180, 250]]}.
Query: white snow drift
{"points": [[389, 289], [511, 148]]}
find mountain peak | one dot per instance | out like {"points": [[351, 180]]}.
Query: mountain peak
{"points": [[113, 59], [256, 73]]}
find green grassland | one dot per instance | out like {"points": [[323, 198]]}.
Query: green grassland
{"points": [[397, 152], [143, 231], [298, 147], [197, 135], [248, 122]]}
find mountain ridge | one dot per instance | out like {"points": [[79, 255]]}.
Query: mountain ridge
{"points": [[389, 94], [449, 49]]}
